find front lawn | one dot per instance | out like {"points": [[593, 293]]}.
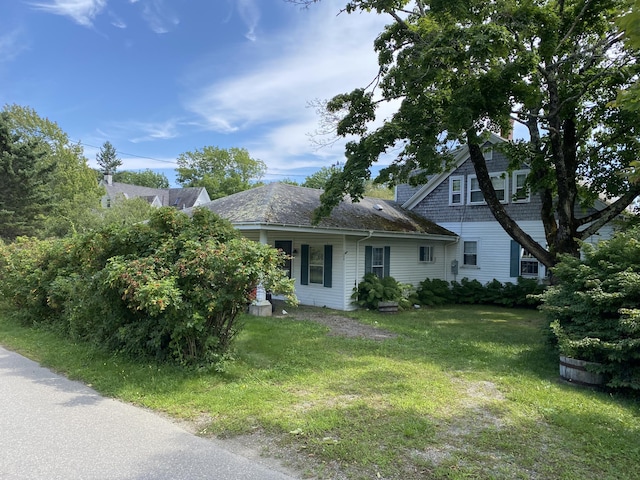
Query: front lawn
{"points": [[459, 392]]}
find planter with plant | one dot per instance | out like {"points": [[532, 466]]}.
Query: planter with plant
{"points": [[594, 309], [373, 291]]}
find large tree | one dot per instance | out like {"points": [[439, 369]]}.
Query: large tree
{"points": [[458, 68], [143, 178], [23, 183], [108, 159], [221, 171], [72, 192]]}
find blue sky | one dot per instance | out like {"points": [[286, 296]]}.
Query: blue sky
{"points": [[158, 78]]}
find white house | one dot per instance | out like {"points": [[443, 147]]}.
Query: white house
{"points": [[330, 259], [454, 201]]}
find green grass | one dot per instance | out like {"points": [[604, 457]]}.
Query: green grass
{"points": [[461, 392]]}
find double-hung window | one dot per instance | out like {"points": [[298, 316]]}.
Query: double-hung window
{"points": [[377, 260], [523, 263], [519, 191], [425, 254], [316, 264], [456, 192], [470, 253], [499, 182]]}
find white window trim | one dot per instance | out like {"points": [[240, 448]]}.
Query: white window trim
{"points": [[461, 193], [514, 187], [432, 249], [528, 259], [477, 242], [492, 175]]}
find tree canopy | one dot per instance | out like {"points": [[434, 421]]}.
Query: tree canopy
{"points": [[143, 178], [68, 185], [221, 171], [460, 68]]}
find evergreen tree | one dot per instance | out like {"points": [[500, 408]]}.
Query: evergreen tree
{"points": [[108, 159], [24, 195]]}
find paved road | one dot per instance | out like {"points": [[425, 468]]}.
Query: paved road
{"points": [[53, 428]]}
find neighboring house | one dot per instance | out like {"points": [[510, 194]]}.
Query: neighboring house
{"points": [[454, 201], [330, 259], [179, 198]]}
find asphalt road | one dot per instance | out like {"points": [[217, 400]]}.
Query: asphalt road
{"points": [[53, 428]]}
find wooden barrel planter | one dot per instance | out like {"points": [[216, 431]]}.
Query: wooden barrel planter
{"points": [[575, 371], [388, 307]]}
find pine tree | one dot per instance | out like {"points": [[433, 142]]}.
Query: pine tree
{"points": [[108, 159]]}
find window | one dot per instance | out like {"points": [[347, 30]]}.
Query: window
{"points": [[523, 263], [455, 190], [529, 266], [474, 194], [520, 192], [470, 254], [316, 265], [377, 260], [499, 182], [426, 254]]}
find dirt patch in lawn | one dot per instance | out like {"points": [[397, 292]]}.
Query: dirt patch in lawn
{"points": [[338, 324]]}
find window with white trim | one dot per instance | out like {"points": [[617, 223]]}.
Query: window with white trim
{"points": [[316, 264], [529, 265], [426, 254], [499, 182], [456, 190], [519, 190], [377, 261], [470, 253], [474, 194]]}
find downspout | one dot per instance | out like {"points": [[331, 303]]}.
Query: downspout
{"points": [[358, 254]]}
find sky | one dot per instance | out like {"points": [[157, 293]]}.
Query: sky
{"points": [[158, 78]]}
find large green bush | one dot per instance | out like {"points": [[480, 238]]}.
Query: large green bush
{"points": [[171, 288], [594, 308], [372, 290]]}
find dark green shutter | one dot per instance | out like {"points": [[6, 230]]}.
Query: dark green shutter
{"points": [[515, 259], [387, 262], [304, 264], [328, 264], [368, 259]]}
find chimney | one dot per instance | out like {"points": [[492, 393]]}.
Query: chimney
{"points": [[108, 179], [508, 134]]}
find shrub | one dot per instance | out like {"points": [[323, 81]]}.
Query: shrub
{"points": [[432, 292], [594, 311], [172, 288], [372, 290]]}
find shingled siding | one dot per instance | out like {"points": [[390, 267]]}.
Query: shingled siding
{"points": [[436, 206]]}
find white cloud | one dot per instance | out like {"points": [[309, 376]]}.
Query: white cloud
{"points": [[81, 11], [159, 17], [250, 14], [318, 56]]}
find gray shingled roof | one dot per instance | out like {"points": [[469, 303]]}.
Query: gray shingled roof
{"points": [[169, 197], [284, 204]]}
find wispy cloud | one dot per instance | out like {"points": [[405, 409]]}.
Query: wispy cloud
{"points": [[316, 57], [158, 16], [11, 45], [116, 21], [250, 14], [80, 11]]}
